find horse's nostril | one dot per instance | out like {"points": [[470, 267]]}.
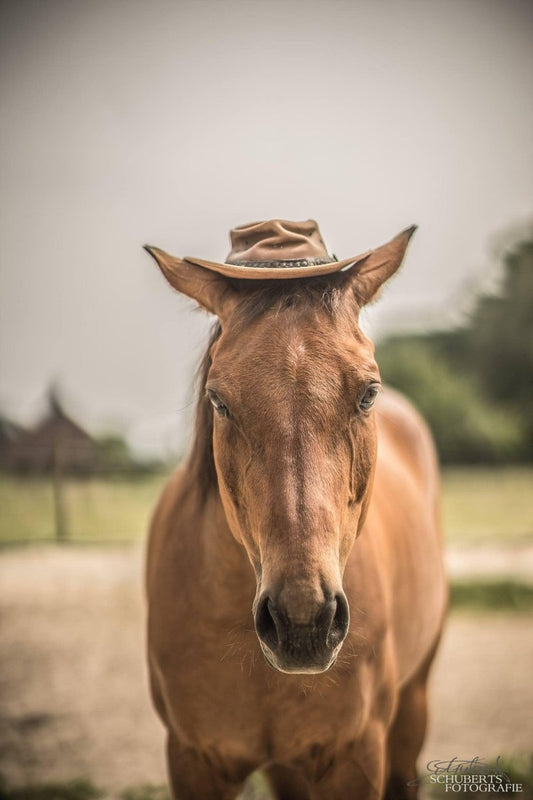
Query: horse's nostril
{"points": [[265, 623], [299, 642], [339, 624]]}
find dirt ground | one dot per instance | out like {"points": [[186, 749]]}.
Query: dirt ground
{"points": [[73, 686]]}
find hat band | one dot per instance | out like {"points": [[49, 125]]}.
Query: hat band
{"points": [[294, 262]]}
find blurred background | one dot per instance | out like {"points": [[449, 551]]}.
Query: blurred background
{"points": [[128, 122]]}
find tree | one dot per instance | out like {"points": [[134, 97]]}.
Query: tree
{"points": [[500, 333], [474, 384]]}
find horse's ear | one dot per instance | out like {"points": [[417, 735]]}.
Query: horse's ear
{"points": [[210, 290], [366, 277]]}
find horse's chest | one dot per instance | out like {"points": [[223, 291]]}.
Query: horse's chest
{"points": [[221, 692]]}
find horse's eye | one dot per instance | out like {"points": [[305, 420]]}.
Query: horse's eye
{"points": [[221, 409], [369, 397]]}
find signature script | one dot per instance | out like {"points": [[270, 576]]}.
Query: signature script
{"points": [[460, 766]]}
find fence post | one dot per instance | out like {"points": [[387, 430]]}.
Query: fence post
{"points": [[60, 516]]}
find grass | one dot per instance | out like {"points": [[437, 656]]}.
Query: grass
{"points": [[84, 789], [518, 768], [480, 505], [78, 789], [96, 509], [146, 791]]}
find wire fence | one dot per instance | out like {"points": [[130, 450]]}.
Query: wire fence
{"points": [[68, 509]]}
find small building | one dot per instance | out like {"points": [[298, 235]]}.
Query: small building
{"points": [[10, 433], [56, 443]]}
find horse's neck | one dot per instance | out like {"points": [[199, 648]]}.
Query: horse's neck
{"points": [[225, 562]]}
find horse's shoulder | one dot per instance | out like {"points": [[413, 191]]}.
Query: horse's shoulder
{"points": [[164, 516], [170, 494]]}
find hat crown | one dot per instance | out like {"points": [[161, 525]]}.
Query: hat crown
{"points": [[278, 242]]}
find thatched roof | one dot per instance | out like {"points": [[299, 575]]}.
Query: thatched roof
{"points": [[56, 442]]}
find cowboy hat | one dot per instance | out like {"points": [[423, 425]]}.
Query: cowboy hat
{"points": [[277, 249]]}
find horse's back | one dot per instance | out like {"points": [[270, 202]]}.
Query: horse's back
{"points": [[405, 440]]}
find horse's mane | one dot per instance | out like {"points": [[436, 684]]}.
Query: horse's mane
{"points": [[201, 466], [322, 292]]}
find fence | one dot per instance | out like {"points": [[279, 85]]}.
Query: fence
{"points": [[57, 507]]}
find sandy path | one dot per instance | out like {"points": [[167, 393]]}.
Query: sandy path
{"points": [[73, 693]]}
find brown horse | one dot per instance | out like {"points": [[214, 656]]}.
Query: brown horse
{"points": [[295, 582]]}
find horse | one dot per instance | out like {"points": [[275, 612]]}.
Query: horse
{"points": [[295, 582]]}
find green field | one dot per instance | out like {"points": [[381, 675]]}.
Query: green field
{"points": [[487, 504], [96, 510], [479, 505]]}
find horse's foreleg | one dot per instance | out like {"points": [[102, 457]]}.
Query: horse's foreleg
{"points": [[406, 736], [358, 771], [193, 777]]}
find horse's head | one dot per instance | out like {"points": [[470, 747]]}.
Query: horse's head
{"points": [[291, 382]]}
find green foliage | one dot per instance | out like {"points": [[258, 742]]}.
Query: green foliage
{"points": [[467, 428], [519, 769], [113, 453], [474, 385], [500, 333], [147, 791], [499, 338], [78, 789], [491, 595], [115, 458]]}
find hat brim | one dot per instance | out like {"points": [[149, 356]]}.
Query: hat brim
{"points": [[276, 273]]}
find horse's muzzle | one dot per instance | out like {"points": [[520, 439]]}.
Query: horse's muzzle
{"points": [[291, 646]]}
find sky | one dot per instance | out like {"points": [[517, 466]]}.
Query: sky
{"points": [[169, 123]]}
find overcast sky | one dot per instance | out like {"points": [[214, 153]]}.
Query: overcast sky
{"points": [[126, 122]]}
